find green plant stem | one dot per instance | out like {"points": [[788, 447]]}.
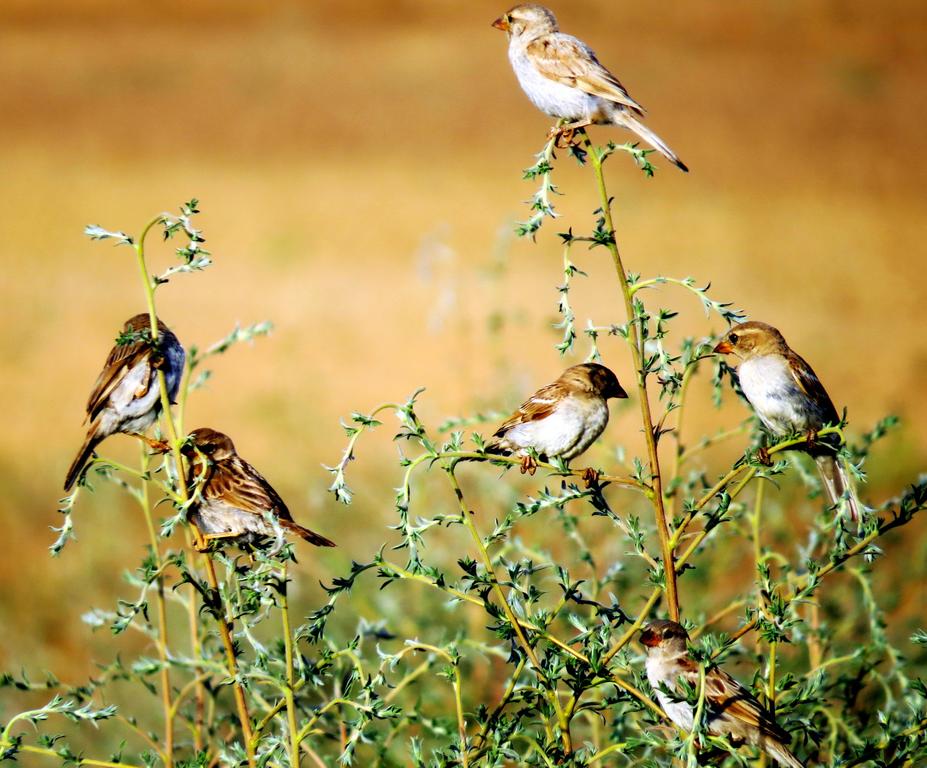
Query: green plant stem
{"points": [[757, 515], [636, 344], [458, 701], [467, 519], [632, 630], [761, 602], [410, 678], [78, 762], [697, 718], [535, 746], [162, 617], [195, 650], [506, 696], [619, 747], [290, 673], [223, 622]]}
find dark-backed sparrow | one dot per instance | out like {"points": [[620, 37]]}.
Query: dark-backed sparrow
{"points": [[235, 501], [730, 709], [560, 420], [563, 78], [126, 397], [788, 397]]}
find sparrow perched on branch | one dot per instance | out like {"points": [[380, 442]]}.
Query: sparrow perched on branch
{"points": [[562, 77], [127, 397], [730, 710], [560, 420], [788, 397], [234, 498]]}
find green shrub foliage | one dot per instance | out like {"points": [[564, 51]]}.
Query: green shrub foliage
{"points": [[497, 625]]}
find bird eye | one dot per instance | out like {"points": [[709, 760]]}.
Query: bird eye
{"points": [[734, 338]]}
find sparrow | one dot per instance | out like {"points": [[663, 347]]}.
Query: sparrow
{"points": [[560, 420], [562, 77], [788, 397], [234, 499], [127, 397], [731, 710]]}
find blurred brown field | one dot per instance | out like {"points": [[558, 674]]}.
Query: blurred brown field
{"points": [[359, 167]]}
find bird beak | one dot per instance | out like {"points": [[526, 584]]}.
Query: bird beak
{"points": [[618, 392], [501, 23], [723, 348], [649, 638]]}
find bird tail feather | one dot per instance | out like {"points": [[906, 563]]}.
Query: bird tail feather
{"points": [[92, 440], [311, 536], [496, 447], [626, 119], [781, 754], [839, 485]]}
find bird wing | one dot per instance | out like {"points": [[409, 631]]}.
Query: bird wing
{"points": [[568, 61], [539, 406], [122, 359], [728, 697], [240, 485], [808, 382]]}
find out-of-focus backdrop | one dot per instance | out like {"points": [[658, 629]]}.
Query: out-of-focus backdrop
{"points": [[359, 170]]}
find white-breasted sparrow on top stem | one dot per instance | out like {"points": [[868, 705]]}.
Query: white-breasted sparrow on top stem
{"points": [[730, 709], [560, 420], [234, 496], [788, 397], [562, 77], [127, 397]]}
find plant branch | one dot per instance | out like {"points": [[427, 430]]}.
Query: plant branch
{"points": [[223, 622], [636, 344]]}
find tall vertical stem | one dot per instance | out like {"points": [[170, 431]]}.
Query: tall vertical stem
{"points": [[199, 712], [162, 620], [761, 605], [290, 674], [223, 622], [636, 343]]}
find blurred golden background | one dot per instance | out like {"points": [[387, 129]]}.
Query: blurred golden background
{"points": [[359, 171]]}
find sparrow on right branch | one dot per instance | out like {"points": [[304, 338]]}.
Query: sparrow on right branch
{"points": [[789, 398]]}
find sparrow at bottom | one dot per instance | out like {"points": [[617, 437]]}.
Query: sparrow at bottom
{"points": [[731, 710]]}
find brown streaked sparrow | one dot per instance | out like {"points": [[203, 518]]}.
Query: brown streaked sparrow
{"points": [[127, 397], [788, 397], [560, 420], [235, 499], [731, 710], [562, 77]]}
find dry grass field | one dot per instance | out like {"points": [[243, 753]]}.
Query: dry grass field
{"points": [[359, 170]]}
